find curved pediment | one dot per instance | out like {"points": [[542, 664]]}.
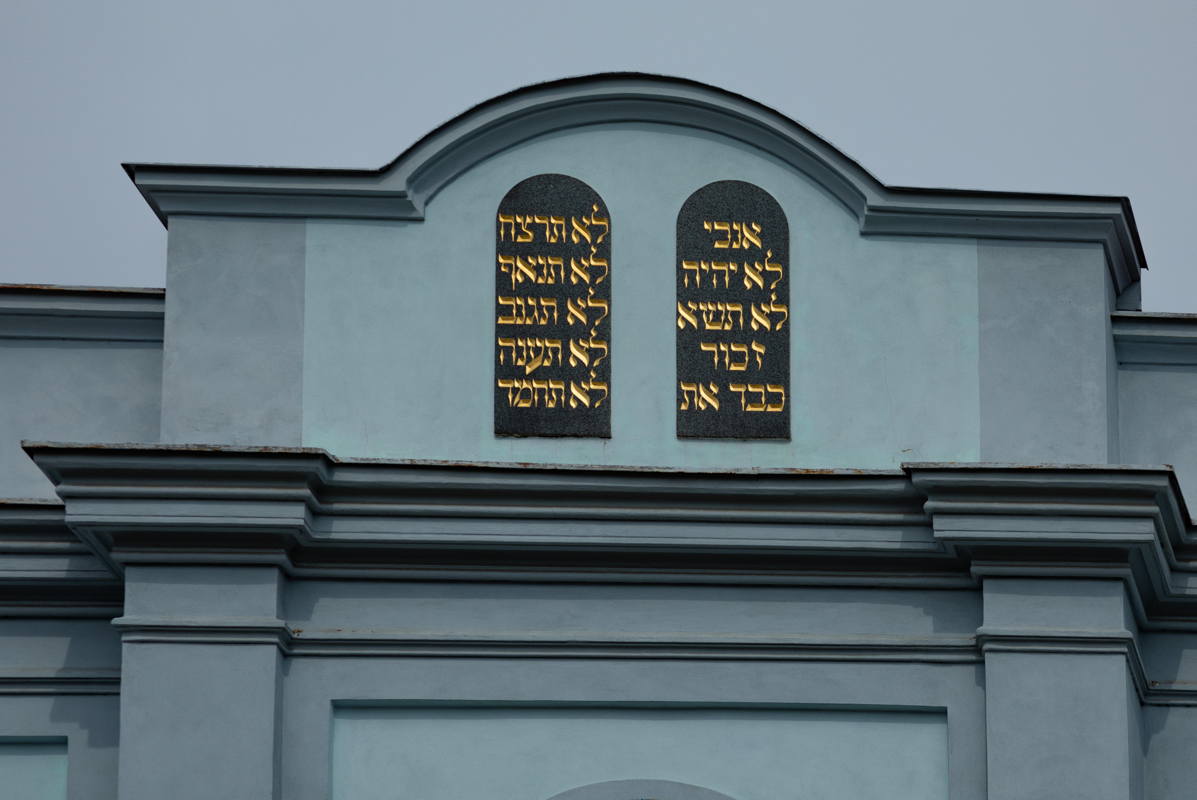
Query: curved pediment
{"points": [[402, 189]]}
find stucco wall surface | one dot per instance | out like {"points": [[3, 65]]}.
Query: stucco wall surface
{"points": [[82, 391], [399, 319]]}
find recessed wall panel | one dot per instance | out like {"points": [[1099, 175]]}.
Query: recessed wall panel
{"points": [[529, 753], [34, 769]]}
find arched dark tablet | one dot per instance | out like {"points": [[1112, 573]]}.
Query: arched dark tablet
{"points": [[733, 314], [640, 790], [552, 310]]}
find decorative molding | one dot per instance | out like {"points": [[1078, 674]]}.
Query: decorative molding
{"points": [[533, 644], [77, 314], [74, 682], [401, 189], [1070, 641], [928, 526], [46, 571], [1152, 340], [302, 510]]}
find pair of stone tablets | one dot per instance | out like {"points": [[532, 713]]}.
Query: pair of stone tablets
{"points": [[553, 312]]}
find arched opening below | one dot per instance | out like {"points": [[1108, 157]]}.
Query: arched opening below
{"points": [[640, 790]]}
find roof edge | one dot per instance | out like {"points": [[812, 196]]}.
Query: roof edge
{"points": [[400, 189]]}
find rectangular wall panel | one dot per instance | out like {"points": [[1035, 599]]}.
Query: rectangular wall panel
{"points": [[34, 769], [531, 753]]}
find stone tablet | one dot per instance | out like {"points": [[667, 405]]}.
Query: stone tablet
{"points": [[733, 295], [553, 310]]}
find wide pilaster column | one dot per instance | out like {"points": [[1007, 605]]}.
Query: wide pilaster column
{"points": [[1062, 710], [200, 683]]}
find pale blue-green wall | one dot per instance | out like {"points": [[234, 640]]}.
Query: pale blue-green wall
{"points": [[63, 390], [533, 754], [33, 770], [399, 326]]}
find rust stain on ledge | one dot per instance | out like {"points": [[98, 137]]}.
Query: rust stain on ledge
{"points": [[52, 288]]}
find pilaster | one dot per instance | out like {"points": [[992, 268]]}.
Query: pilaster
{"points": [[200, 701], [1061, 675]]}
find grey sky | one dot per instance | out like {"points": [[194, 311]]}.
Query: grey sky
{"points": [[1092, 97]]}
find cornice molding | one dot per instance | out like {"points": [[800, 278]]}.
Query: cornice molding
{"points": [[1117, 522], [306, 512], [70, 313], [297, 642], [401, 189], [1144, 339], [929, 525], [45, 571], [59, 682]]}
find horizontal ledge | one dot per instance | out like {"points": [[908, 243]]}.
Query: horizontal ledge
{"points": [[300, 643]]}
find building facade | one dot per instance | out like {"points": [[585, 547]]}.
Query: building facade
{"points": [[620, 439]]}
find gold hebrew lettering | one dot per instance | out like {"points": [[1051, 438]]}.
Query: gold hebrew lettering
{"points": [[547, 393], [771, 267], [750, 235], [579, 230], [594, 220], [597, 386], [527, 310], [759, 406], [713, 349], [708, 316], [524, 268], [752, 275], [552, 269], [579, 270], [738, 310], [688, 390], [688, 267], [538, 353], [508, 343], [578, 394], [774, 388], [505, 220], [742, 365], [716, 227], [725, 268], [509, 385], [599, 344], [706, 396], [760, 316], [511, 318], [579, 353], [759, 351], [530, 400], [525, 235], [508, 265], [556, 229], [515, 392], [595, 302], [719, 316], [778, 308], [595, 261], [576, 309], [685, 315]]}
